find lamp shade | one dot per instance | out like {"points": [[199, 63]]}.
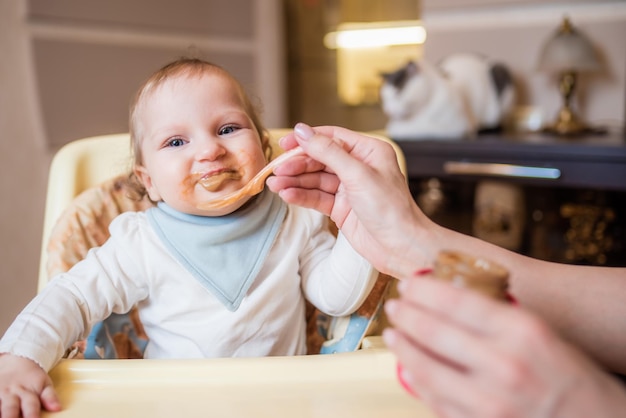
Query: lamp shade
{"points": [[568, 50]]}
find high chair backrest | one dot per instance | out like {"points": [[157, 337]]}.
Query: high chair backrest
{"points": [[77, 166]]}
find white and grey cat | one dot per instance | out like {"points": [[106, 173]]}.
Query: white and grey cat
{"points": [[465, 93]]}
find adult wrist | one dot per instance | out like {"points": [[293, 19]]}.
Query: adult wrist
{"points": [[416, 248]]}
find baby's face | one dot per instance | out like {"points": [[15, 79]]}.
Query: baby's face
{"points": [[198, 144]]}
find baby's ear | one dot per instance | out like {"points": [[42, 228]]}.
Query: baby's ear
{"points": [[144, 177]]}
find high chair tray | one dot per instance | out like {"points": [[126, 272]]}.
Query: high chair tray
{"points": [[361, 384]]}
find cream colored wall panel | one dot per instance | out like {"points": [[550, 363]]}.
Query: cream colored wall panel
{"points": [[91, 56], [222, 17], [85, 89]]}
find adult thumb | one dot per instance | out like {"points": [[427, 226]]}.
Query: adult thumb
{"points": [[327, 150]]}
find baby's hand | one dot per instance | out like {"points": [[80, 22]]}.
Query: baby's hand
{"points": [[24, 387]]}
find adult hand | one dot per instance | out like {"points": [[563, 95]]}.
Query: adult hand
{"points": [[356, 180], [24, 388], [468, 356]]}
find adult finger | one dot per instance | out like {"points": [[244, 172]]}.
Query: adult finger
{"points": [[452, 343], [373, 151], [450, 390], [311, 199], [440, 384], [332, 153], [288, 141], [482, 335], [324, 182], [348, 139], [335, 132], [463, 306], [299, 165]]}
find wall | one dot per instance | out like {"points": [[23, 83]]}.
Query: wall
{"points": [[68, 70], [95, 55], [23, 165], [513, 31]]}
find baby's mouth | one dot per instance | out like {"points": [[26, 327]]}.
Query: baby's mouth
{"points": [[214, 182]]}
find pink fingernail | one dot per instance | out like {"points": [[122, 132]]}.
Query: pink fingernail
{"points": [[304, 131], [402, 285], [390, 307], [403, 378]]}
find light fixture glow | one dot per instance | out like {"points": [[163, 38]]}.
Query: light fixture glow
{"points": [[378, 34]]}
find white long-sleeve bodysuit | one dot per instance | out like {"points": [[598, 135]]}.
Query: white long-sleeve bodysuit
{"points": [[181, 317]]}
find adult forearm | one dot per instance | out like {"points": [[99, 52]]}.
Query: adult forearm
{"points": [[586, 305]]}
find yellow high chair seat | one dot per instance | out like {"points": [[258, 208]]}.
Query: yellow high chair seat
{"points": [[88, 187]]}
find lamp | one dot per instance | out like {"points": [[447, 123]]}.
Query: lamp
{"points": [[567, 53]]}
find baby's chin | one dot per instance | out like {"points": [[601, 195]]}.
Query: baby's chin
{"points": [[191, 208], [223, 211], [226, 210]]}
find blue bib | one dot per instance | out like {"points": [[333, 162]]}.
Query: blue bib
{"points": [[225, 253]]}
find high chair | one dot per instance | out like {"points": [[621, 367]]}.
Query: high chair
{"points": [[87, 188]]}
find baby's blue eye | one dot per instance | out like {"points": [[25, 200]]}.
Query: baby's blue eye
{"points": [[228, 130], [175, 142]]}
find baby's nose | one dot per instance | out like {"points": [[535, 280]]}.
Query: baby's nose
{"points": [[209, 149]]}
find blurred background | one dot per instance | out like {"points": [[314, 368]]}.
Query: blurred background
{"points": [[69, 68]]}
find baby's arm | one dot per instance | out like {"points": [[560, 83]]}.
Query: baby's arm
{"points": [[335, 278], [24, 388]]}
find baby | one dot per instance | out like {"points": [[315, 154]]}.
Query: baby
{"points": [[207, 283]]}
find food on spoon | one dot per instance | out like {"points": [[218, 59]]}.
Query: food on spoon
{"points": [[214, 182], [254, 186], [224, 201]]}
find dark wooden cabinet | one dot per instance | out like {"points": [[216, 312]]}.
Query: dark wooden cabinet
{"points": [[538, 160], [574, 189]]}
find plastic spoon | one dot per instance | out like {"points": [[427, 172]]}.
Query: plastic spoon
{"points": [[254, 186]]}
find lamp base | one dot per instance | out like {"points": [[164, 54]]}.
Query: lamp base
{"points": [[569, 124]]}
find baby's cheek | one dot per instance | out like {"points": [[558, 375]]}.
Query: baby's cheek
{"points": [[251, 163], [186, 188]]}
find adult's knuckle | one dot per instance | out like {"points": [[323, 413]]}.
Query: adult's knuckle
{"points": [[515, 374], [497, 409], [532, 331]]}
